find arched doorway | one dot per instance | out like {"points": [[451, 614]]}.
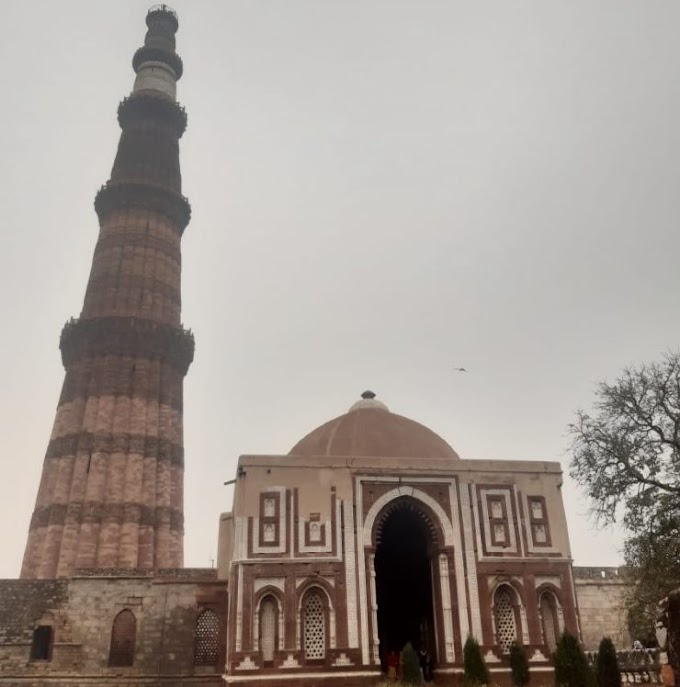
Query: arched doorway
{"points": [[404, 567]]}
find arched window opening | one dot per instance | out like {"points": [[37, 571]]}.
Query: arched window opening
{"points": [[206, 638], [548, 608], [314, 626], [123, 639], [504, 612], [41, 646], [268, 613]]}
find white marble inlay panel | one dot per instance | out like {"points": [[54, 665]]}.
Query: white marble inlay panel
{"points": [[239, 610], [269, 533], [446, 607], [459, 565], [505, 495], [473, 588], [350, 576]]}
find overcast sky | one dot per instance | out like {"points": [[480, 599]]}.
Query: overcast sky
{"points": [[382, 190]]}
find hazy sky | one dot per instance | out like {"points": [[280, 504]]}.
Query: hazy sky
{"points": [[382, 190]]}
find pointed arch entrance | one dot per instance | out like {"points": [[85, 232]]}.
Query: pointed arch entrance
{"points": [[407, 543]]}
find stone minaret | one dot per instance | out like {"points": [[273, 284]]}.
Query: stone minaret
{"points": [[110, 495]]}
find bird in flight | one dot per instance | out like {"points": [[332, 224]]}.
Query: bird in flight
{"points": [[459, 369]]}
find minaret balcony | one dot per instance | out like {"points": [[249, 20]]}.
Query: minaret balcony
{"points": [[141, 194], [154, 106], [126, 337], [150, 53]]}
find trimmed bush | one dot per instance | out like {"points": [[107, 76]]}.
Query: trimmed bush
{"points": [[519, 666], [608, 673], [410, 668], [571, 666], [476, 673]]}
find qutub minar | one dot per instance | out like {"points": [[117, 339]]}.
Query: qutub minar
{"points": [[111, 488], [369, 533]]}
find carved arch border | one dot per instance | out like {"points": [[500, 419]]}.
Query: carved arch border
{"points": [[321, 585], [443, 519], [551, 590], [515, 585], [260, 596], [517, 589]]}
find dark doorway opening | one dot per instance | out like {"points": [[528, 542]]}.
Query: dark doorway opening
{"points": [[404, 582], [41, 646]]}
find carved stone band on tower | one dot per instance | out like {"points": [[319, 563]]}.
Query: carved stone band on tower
{"points": [[111, 492]]}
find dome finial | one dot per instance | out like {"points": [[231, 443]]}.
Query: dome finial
{"points": [[368, 401]]}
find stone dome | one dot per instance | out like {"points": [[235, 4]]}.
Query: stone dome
{"points": [[370, 430]]}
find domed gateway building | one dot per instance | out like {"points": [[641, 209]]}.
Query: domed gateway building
{"points": [[372, 533], [369, 534]]}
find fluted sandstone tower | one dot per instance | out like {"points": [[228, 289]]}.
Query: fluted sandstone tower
{"points": [[111, 492]]}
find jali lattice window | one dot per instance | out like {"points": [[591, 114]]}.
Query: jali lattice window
{"points": [[206, 638], [268, 628], [506, 628], [314, 626], [123, 639], [549, 618]]}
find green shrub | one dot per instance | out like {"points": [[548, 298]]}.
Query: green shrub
{"points": [[410, 668], [519, 666], [571, 666], [476, 673], [608, 673]]}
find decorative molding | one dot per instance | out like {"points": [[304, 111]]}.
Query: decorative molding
{"points": [[495, 581], [259, 545], [374, 608], [518, 510], [533, 548], [350, 576], [325, 542], [239, 610], [246, 664], [537, 519], [361, 560], [262, 582], [502, 493], [417, 494], [290, 662], [537, 657], [302, 580], [554, 580], [446, 607], [490, 657], [525, 623], [458, 562], [473, 589], [342, 660]]}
